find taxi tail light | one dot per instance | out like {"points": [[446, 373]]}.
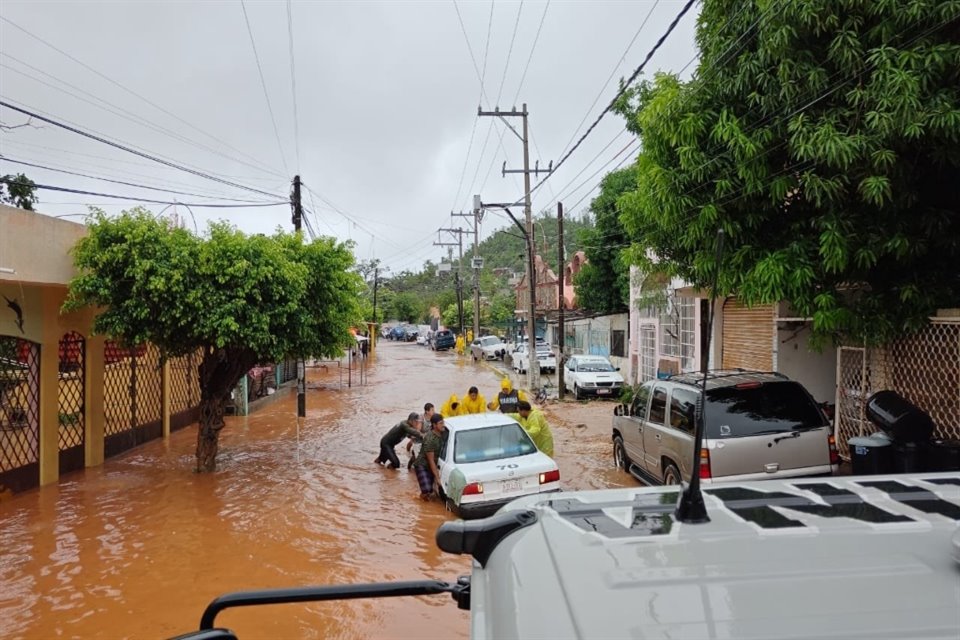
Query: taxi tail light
{"points": [[472, 489], [705, 464], [550, 476], [834, 454]]}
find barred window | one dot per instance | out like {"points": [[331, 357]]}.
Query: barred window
{"points": [[618, 343]]}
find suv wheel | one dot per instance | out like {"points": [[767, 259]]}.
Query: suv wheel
{"points": [[671, 475], [620, 457]]}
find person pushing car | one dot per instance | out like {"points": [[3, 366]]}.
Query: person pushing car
{"points": [[401, 430], [507, 399], [428, 473]]}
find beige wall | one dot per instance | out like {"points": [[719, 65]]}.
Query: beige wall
{"points": [[37, 247]]}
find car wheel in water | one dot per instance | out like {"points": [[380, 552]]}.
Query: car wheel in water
{"points": [[576, 392], [620, 457], [671, 475], [451, 507]]}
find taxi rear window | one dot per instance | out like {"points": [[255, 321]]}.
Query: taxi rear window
{"points": [[491, 443]]}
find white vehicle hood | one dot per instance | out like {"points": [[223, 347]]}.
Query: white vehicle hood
{"points": [[868, 557]]}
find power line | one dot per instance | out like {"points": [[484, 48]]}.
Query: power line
{"points": [[293, 84], [135, 152], [133, 93], [613, 72], [100, 103], [620, 93], [263, 84], [486, 48], [532, 49], [127, 184], [47, 187]]}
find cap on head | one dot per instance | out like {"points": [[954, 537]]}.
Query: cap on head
{"points": [[435, 418], [413, 417]]}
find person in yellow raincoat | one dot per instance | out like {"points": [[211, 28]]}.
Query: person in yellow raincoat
{"points": [[473, 402], [460, 345], [506, 401], [451, 407], [535, 424]]}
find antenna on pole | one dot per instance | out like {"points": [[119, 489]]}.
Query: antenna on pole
{"points": [[691, 509]]}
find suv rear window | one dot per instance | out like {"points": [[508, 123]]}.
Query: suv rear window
{"points": [[769, 407]]}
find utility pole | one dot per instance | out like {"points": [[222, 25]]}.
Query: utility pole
{"points": [[476, 216], [301, 367], [457, 278], [533, 371], [375, 332], [560, 326]]}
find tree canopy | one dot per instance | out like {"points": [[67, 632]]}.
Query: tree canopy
{"points": [[242, 299], [18, 190], [822, 136], [603, 284]]}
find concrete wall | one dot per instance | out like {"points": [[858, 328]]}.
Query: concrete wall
{"points": [[36, 247], [796, 360]]}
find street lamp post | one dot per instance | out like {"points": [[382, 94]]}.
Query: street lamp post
{"points": [[533, 368]]}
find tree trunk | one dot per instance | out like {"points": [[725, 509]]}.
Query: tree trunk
{"points": [[220, 371], [208, 435]]}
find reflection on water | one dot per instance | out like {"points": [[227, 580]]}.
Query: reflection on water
{"points": [[136, 548]]}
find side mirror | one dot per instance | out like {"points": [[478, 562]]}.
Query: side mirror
{"points": [[620, 410]]}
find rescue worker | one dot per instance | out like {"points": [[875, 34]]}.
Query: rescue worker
{"points": [[535, 424], [473, 402], [428, 473], [506, 401], [451, 407], [413, 447], [460, 345], [409, 427]]}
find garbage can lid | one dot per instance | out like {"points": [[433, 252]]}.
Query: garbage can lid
{"points": [[869, 441]]}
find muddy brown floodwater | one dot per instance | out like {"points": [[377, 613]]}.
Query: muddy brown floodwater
{"points": [[136, 548]]}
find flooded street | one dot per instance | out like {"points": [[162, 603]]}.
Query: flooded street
{"points": [[136, 548]]}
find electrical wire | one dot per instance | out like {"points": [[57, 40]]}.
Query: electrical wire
{"points": [[135, 152], [623, 89], [134, 93], [612, 73], [4, 158], [100, 103], [47, 187], [533, 48], [263, 85], [293, 84]]}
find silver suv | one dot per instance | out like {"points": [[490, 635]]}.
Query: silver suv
{"points": [[757, 425]]}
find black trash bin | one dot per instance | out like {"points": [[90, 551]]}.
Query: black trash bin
{"points": [[900, 418], [906, 457], [871, 455], [941, 455]]}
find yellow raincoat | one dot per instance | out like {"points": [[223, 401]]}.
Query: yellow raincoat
{"points": [[447, 410], [460, 346], [506, 387], [535, 424], [473, 406]]}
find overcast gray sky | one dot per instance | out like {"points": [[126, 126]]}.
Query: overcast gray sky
{"points": [[386, 104]]}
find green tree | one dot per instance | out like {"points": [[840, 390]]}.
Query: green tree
{"points": [[822, 136], [18, 190], [603, 284], [240, 299]]}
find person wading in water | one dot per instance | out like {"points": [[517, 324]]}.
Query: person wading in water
{"points": [[395, 436]]}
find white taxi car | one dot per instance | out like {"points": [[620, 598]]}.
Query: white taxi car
{"points": [[592, 375], [489, 460]]}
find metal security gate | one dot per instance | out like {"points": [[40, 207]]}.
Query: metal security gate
{"points": [[132, 397], [184, 391], [648, 352], [70, 413], [19, 414], [747, 336]]}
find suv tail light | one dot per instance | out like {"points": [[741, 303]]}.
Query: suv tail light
{"points": [[472, 489], [834, 455], [550, 476], [705, 464]]}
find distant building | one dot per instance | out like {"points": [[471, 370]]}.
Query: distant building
{"points": [[547, 282]]}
